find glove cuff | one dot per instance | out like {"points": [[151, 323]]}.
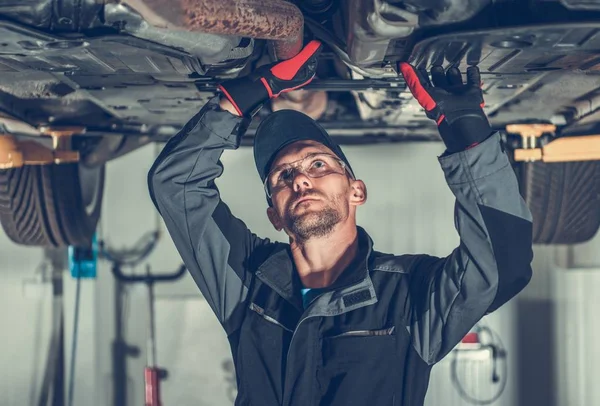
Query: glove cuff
{"points": [[246, 95], [465, 132]]}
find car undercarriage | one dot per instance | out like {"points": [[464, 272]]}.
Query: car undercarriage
{"points": [[83, 82]]}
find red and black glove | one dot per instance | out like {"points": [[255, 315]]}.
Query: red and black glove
{"points": [[457, 108], [249, 93]]}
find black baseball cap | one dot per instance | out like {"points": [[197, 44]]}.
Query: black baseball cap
{"points": [[284, 127]]}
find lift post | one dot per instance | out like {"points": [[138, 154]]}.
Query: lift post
{"points": [[152, 373], [52, 392]]}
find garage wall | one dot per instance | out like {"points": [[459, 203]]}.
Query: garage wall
{"points": [[547, 326], [24, 323], [27, 315], [557, 328]]}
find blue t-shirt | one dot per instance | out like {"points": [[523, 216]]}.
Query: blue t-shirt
{"points": [[308, 295]]}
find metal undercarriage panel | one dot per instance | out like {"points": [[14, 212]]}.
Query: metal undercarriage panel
{"points": [[530, 74], [109, 82], [117, 83], [533, 73]]}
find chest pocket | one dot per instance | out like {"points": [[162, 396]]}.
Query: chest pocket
{"points": [[360, 367]]}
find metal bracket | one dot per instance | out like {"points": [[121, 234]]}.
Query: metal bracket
{"points": [[565, 149]]}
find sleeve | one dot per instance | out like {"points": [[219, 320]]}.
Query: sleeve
{"points": [[492, 263], [215, 246]]}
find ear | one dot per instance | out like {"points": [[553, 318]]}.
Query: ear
{"points": [[358, 193], [274, 218]]}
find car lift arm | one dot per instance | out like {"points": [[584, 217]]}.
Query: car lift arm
{"points": [[565, 149]]}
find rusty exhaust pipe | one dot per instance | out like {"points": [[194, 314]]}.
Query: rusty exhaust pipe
{"points": [[275, 20]]}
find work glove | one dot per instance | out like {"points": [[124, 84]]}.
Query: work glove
{"points": [[457, 108], [249, 93]]}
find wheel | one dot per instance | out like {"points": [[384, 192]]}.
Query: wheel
{"points": [[51, 205], [564, 199]]}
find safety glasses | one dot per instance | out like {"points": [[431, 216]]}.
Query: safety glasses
{"points": [[314, 165]]}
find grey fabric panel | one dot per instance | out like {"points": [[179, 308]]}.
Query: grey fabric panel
{"points": [[476, 165], [449, 295], [181, 183]]}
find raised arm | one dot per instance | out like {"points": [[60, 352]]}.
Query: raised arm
{"points": [[213, 244], [447, 296], [217, 248]]}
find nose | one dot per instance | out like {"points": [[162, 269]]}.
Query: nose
{"points": [[301, 182]]}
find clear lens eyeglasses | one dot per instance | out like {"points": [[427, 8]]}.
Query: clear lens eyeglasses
{"points": [[313, 165]]}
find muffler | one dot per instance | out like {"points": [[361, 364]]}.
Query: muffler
{"points": [[276, 20]]}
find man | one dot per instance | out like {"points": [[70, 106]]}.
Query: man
{"points": [[326, 319]]}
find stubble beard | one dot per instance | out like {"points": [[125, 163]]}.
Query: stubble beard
{"points": [[314, 224]]}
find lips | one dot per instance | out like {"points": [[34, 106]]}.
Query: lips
{"points": [[304, 199]]}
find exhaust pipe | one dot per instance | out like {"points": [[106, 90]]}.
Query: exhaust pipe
{"points": [[275, 20]]}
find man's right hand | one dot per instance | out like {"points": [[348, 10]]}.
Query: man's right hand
{"points": [[249, 93]]}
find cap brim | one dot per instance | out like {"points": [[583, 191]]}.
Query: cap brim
{"points": [[283, 128]]}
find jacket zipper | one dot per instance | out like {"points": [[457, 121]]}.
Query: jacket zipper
{"points": [[366, 333], [270, 319], [285, 379]]}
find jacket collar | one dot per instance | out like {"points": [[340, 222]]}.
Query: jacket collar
{"points": [[279, 272]]}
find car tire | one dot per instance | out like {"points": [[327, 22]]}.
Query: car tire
{"points": [[564, 199], [51, 205]]}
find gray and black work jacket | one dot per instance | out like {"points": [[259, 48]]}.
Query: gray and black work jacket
{"points": [[372, 337]]}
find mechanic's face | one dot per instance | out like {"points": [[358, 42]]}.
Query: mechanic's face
{"points": [[331, 199]]}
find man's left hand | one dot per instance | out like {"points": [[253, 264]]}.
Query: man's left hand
{"points": [[457, 108]]}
